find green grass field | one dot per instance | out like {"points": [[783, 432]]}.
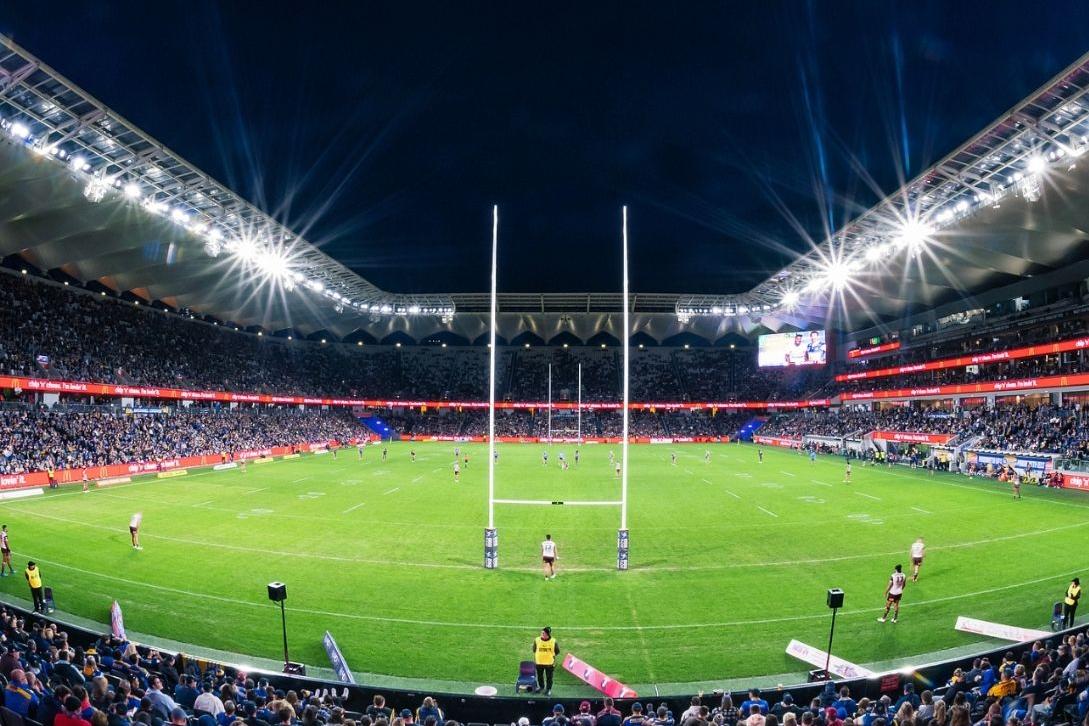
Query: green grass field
{"points": [[729, 560]]}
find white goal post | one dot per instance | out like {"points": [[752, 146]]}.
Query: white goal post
{"points": [[491, 534]]}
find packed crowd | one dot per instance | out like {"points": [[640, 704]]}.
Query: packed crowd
{"points": [[50, 681], [34, 438], [1011, 427], [565, 424], [50, 331]]}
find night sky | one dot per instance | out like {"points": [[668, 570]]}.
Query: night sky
{"points": [[736, 132]]}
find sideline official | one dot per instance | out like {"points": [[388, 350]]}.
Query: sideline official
{"points": [[1070, 602], [544, 656], [34, 579]]}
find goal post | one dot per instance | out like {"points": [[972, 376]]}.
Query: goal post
{"points": [[491, 537], [622, 535], [491, 532]]}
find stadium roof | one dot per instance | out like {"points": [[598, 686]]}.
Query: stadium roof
{"points": [[85, 191]]}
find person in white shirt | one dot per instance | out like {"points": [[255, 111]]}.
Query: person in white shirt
{"points": [[548, 557], [918, 551], [893, 593], [134, 530], [795, 355], [208, 701]]}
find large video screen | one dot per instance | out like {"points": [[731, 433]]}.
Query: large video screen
{"points": [[792, 349]]}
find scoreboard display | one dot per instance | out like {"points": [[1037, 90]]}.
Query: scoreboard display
{"points": [[806, 348]]}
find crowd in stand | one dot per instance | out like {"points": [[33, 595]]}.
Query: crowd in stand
{"points": [[1011, 427], [50, 681], [34, 438], [51, 331]]}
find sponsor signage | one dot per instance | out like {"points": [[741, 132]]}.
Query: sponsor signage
{"points": [[912, 437], [777, 441], [970, 389], [1031, 351], [817, 657], [872, 350], [336, 658], [998, 630], [178, 394]]}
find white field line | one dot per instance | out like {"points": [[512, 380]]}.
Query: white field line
{"points": [[921, 510], [447, 566], [529, 627], [705, 481], [822, 483], [786, 473], [421, 476], [731, 494], [353, 508], [767, 511], [394, 489]]}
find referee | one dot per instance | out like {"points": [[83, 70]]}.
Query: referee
{"points": [[544, 656], [1070, 602]]}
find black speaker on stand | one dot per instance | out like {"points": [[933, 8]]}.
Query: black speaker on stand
{"points": [[277, 592], [835, 602]]}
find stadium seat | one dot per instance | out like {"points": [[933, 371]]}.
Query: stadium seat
{"points": [[10, 718]]}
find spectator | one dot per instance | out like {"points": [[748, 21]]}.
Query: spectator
{"points": [[18, 697]]}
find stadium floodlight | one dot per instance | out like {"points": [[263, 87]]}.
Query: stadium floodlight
{"points": [[315, 285], [1036, 164], [413, 309], [155, 206], [790, 298], [387, 309], [838, 274], [78, 163], [246, 249], [913, 235], [274, 265], [19, 131], [876, 253], [131, 190]]}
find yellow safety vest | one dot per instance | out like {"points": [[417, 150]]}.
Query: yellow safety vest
{"points": [[544, 651], [34, 577], [1072, 594]]}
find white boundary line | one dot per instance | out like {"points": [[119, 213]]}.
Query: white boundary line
{"points": [[731, 494], [768, 511], [530, 627], [868, 496], [448, 566], [394, 489], [353, 507], [921, 510]]}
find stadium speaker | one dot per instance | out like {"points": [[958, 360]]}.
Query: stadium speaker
{"points": [[835, 597], [277, 592]]}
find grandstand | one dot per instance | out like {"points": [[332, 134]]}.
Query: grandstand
{"points": [[275, 416]]}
